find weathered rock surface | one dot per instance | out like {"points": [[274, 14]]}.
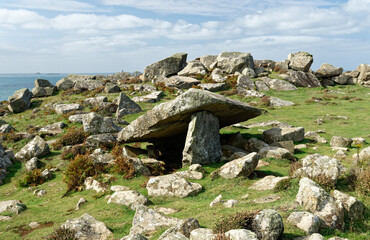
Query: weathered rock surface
{"points": [[202, 144], [96, 101], [305, 221], [92, 184], [303, 79], [272, 135], [172, 186], [268, 225], [31, 164], [6, 128], [277, 102], [36, 148], [326, 71], [111, 88], [126, 106], [316, 165], [64, 84], [207, 61], [340, 142], [87, 227], [279, 85], [149, 220], [99, 140], [193, 68], [300, 61], [276, 152], [241, 234], [20, 101], [245, 82], [43, 91], [66, 108], [95, 124], [314, 236], [354, 209], [213, 87], [150, 98], [365, 154], [202, 234], [364, 74], [166, 67], [181, 230], [80, 203], [261, 86], [320, 203], [172, 118], [53, 129], [180, 82], [315, 136], [267, 183], [87, 85], [5, 162], [13, 206], [231, 62], [136, 236], [128, 198], [240, 167]]}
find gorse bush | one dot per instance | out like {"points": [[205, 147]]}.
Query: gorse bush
{"points": [[73, 151], [294, 166], [242, 220], [124, 166], [283, 185], [63, 234], [72, 137], [32, 178]]}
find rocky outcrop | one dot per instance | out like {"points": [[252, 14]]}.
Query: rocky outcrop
{"points": [[20, 101], [300, 61], [172, 118], [172, 186], [128, 198], [231, 62], [354, 209], [193, 68], [111, 88], [296, 134], [241, 167], [305, 221], [320, 203], [126, 106], [202, 234], [36, 148], [202, 144], [95, 124], [87, 227], [166, 67], [303, 79], [66, 108], [326, 71], [268, 225]]}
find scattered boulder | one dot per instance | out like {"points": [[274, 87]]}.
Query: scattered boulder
{"points": [[326, 71], [181, 230], [276, 152], [303, 79], [249, 72], [20, 101], [202, 144], [202, 234], [13, 206], [288, 145], [261, 86], [316, 165], [300, 61], [87, 227], [305, 221], [172, 186], [343, 79], [272, 135], [5, 162], [364, 74], [207, 61], [277, 102], [53, 129], [31, 164], [76, 118], [190, 174], [340, 154], [279, 85], [245, 82], [43, 91], [64, 84], [180, 82], [267, 183], [66, 108], [95, 124], [172, 118], [80, 203], [87, 85], [320, 203], [268, 225], [36, 148], [213, 87], [230, 203], [126, 106], [117, 188], [96, 101], [111, 88], [217, 76], [241, 234], [314, 236], [128, 198], [241, 167], [231, 62], [354, 209], [148, 220], [92, 184], [255, 145], [39, 192], [152, 97], [6, 128], [101, 140], [166, 67], [340, 142], [315, 136], [216, 201], [193, 68]]}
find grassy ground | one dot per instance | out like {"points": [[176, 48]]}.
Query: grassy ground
{"points": [[52, 210]]}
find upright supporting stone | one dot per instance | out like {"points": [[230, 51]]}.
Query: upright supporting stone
{"points": [[202, 144]]}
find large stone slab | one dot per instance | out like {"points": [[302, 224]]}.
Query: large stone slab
{"points": [[20, 101], [172, 118], [202, 144], [166, 67]]}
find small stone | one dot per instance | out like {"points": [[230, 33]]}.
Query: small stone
{"points": [[216, 201], [230, 203], [80, 202]]}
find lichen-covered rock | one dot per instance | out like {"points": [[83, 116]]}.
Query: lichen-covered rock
{"points": [[66, 108], [36, 148], [364, 74], [190, 174], [320, 203], [149, 220], [53, 129], [300, 61], [136, 236], [64, 84], [279, 85], [327, 70], [241, 167], [267, 183], [303, 79], [340, 142], [31, 164], [13, 206], [126, 106], [354, 209], [316, 165], [241, 234], [268, 225], [20, 101], [278, 103], [245, 82], [166, 67], [87, 85], [95, 124], [202, 234], [231, 62], [92, 184], [315, 136], [150, 98], [181, 230], [193, 68], [305, 221], [296, 134], [111, 88], [95, 101], [6, 128], [87, 227], [207, 61], [43, 91], [202, 144], [213, 87], [276, 152], [180, 82], [230, 203], [365, 154], [172, 186], [100, 140], [128, 198]]}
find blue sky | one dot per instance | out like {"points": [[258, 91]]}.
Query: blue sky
{"points": [[114, 35]]}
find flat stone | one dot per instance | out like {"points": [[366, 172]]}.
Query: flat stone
{"points": [[66, 108], [267, 183]]}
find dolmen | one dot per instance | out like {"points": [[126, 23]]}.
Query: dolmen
{"points": [[188, 127]]}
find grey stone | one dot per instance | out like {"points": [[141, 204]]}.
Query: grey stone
{"points": [[249, 72], [268, 225], [217, 76], [31, 164], [231, 62], [190, 174], [279, 85], [300, 61], [241, 234], [277, 102], [87, 227], [314, 236], [288, 145], [36, 148], [172, 186], [117, 188], [213, 87], [267, 183], [111, 88], [95, 124], [128, 198], [340, 142], [326, 71], [364, 74], [305, 221], [193, 68], [6, 128], [43, 83], [126, 106], [43, 91], [172, 118], [245, 82], [92, 184], [261, 86], [303, 79], [276, 152], [166, 67], [180, 82], [98, 140], [64, 84], [202, 144], [216, 201], [365, 154], [136, 236], [240, 167], [315, 136], [181, 230], [267, 199], [230, 203], [272, 135], [80, 203], [342, 79], [207, 61], [77, 118], [96, 101], [353, 208], [66, 108], [202, 234], [255, 145], [13, 206], [87, 85], [150, 98], [53, 129], [20, 101]]}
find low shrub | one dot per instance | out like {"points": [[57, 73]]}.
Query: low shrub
{"points": [[124, 166], [294, 166], [32, 178], [221, 236], [72, 152], [231, 81], [242, 220], [72, 137], [325, 182], [63, 234], [283, 185], [363, 182]]}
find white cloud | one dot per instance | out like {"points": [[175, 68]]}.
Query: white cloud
{"points": [[53, 5]]}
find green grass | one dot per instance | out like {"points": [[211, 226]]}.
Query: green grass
{"points": [[55, 209]]}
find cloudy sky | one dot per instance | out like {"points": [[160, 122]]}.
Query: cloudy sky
{"points": [[114, 35]]}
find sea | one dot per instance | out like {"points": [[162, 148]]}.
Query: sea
{"points": [[9, 83]]}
